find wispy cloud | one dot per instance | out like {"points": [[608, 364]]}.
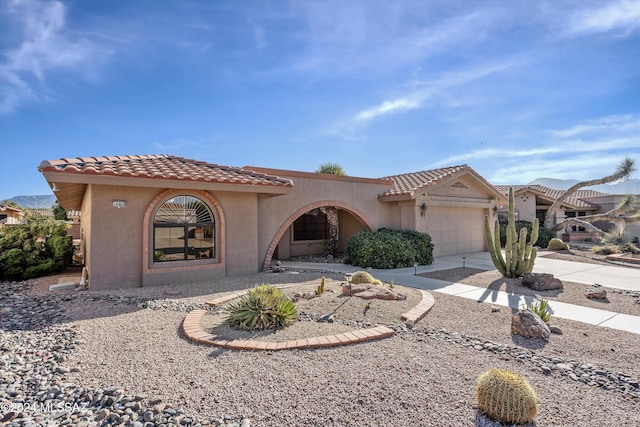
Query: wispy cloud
{"points": [[622, 16], [421, 92], [46, 47], [609, 124]]}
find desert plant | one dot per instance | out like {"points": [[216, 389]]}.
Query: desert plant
{"points": [[264, 307], [616, 236], [544, 234], [541, 308], [519, 254], [506, 397], [606, 250], [320, 288], [556, 244], [364, 277], [392, 284]]}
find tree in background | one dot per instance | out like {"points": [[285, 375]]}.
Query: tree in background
{"points": [[331, 211], [331, 169], [619, 216], [58, 212]]}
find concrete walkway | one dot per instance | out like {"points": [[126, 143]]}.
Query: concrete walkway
{"points": [[627, 278]]}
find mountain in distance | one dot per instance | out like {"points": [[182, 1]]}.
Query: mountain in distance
{"points": [[34, 202], [630, 186]]}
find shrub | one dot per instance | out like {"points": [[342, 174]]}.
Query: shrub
{"points": [[616, 237], [606, 250], [544, 234], [422, 245], [264, 307], [506, 397], [34, 248], [541, 308], [386, 248]]}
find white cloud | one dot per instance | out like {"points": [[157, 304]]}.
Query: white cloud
{"points": [[423, 91], [610, 124], [258, 33], [620, 15], [46, 46]]}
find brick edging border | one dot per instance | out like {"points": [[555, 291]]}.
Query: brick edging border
{"points": [[195, 332]]}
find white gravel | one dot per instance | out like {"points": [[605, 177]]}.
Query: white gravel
{"points": [[417, 378]]}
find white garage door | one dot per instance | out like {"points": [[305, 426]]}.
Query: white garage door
{"points": [[456, 230]]}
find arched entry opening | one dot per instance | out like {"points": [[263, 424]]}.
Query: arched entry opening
{"points": [[302, 232]]}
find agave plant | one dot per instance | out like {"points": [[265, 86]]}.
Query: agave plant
{"points": [[542, 309], [264, 307]]}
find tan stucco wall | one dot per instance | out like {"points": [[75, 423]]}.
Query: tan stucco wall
{"points": [[115, 255], [525, 204], [274, 213]]}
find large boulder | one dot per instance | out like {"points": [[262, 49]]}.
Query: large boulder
{"points": [[541, 282], [529, 325]]}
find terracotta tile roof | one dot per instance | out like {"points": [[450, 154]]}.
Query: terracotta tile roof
{"points": [[411, 183], [161, 166], [575, 200]]}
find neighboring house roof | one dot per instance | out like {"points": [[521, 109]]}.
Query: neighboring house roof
{"points": [[9, 209], [68, 177], [409, 184], [575, 201]]}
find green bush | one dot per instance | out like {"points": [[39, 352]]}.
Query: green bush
{"points": [[544, 234], [386, 248], [264, 307], [36, 247], [422, 245]]}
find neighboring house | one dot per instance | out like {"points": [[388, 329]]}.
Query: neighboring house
{"points": [[158, 219], [533, 201], [10, 215]]}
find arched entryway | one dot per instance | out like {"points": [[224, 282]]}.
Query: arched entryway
{"points": [[359, 216]]}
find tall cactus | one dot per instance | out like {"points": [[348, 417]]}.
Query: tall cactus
{"points": [[519, 255]]}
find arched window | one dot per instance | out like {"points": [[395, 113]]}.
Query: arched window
{"points": [[183, 229]]}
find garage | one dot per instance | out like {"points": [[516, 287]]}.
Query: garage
{"points": [[456, 230]]}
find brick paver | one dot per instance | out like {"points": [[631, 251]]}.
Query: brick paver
{"points": [[195, 332]]}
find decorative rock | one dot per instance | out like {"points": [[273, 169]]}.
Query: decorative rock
{"points": [[595, 293], [541, 282], [495, 308], [326, 318], [555, 330], [529, 325], [368, 291]]}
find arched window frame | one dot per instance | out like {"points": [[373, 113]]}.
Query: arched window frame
{"points": [[190, 221]]}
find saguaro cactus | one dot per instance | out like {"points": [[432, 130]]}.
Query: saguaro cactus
{"points": [[519, 255]]}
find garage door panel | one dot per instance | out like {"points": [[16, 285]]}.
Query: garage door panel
{"points": [[456, 230]]}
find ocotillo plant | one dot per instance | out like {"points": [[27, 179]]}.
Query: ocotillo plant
{"points": [[519, 255]]}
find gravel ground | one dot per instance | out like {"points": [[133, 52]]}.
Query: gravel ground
{"points": [[126, 346], [619, 301]]}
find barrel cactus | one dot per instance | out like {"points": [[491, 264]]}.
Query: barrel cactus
{"points": [[519, 254], [364, 277], [506, 397]]}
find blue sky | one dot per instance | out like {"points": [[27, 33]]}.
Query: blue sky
{"points": [[515, 89]]}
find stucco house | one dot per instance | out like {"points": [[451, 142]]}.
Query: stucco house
{"points": [[10, 215], [161, 219], [533, 201]]}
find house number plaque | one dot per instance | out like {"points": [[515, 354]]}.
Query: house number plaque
{"points": [[119, 204]]}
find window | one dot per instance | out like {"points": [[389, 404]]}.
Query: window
{"points": [[311, 226], [503, 216], [183, 230]]}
